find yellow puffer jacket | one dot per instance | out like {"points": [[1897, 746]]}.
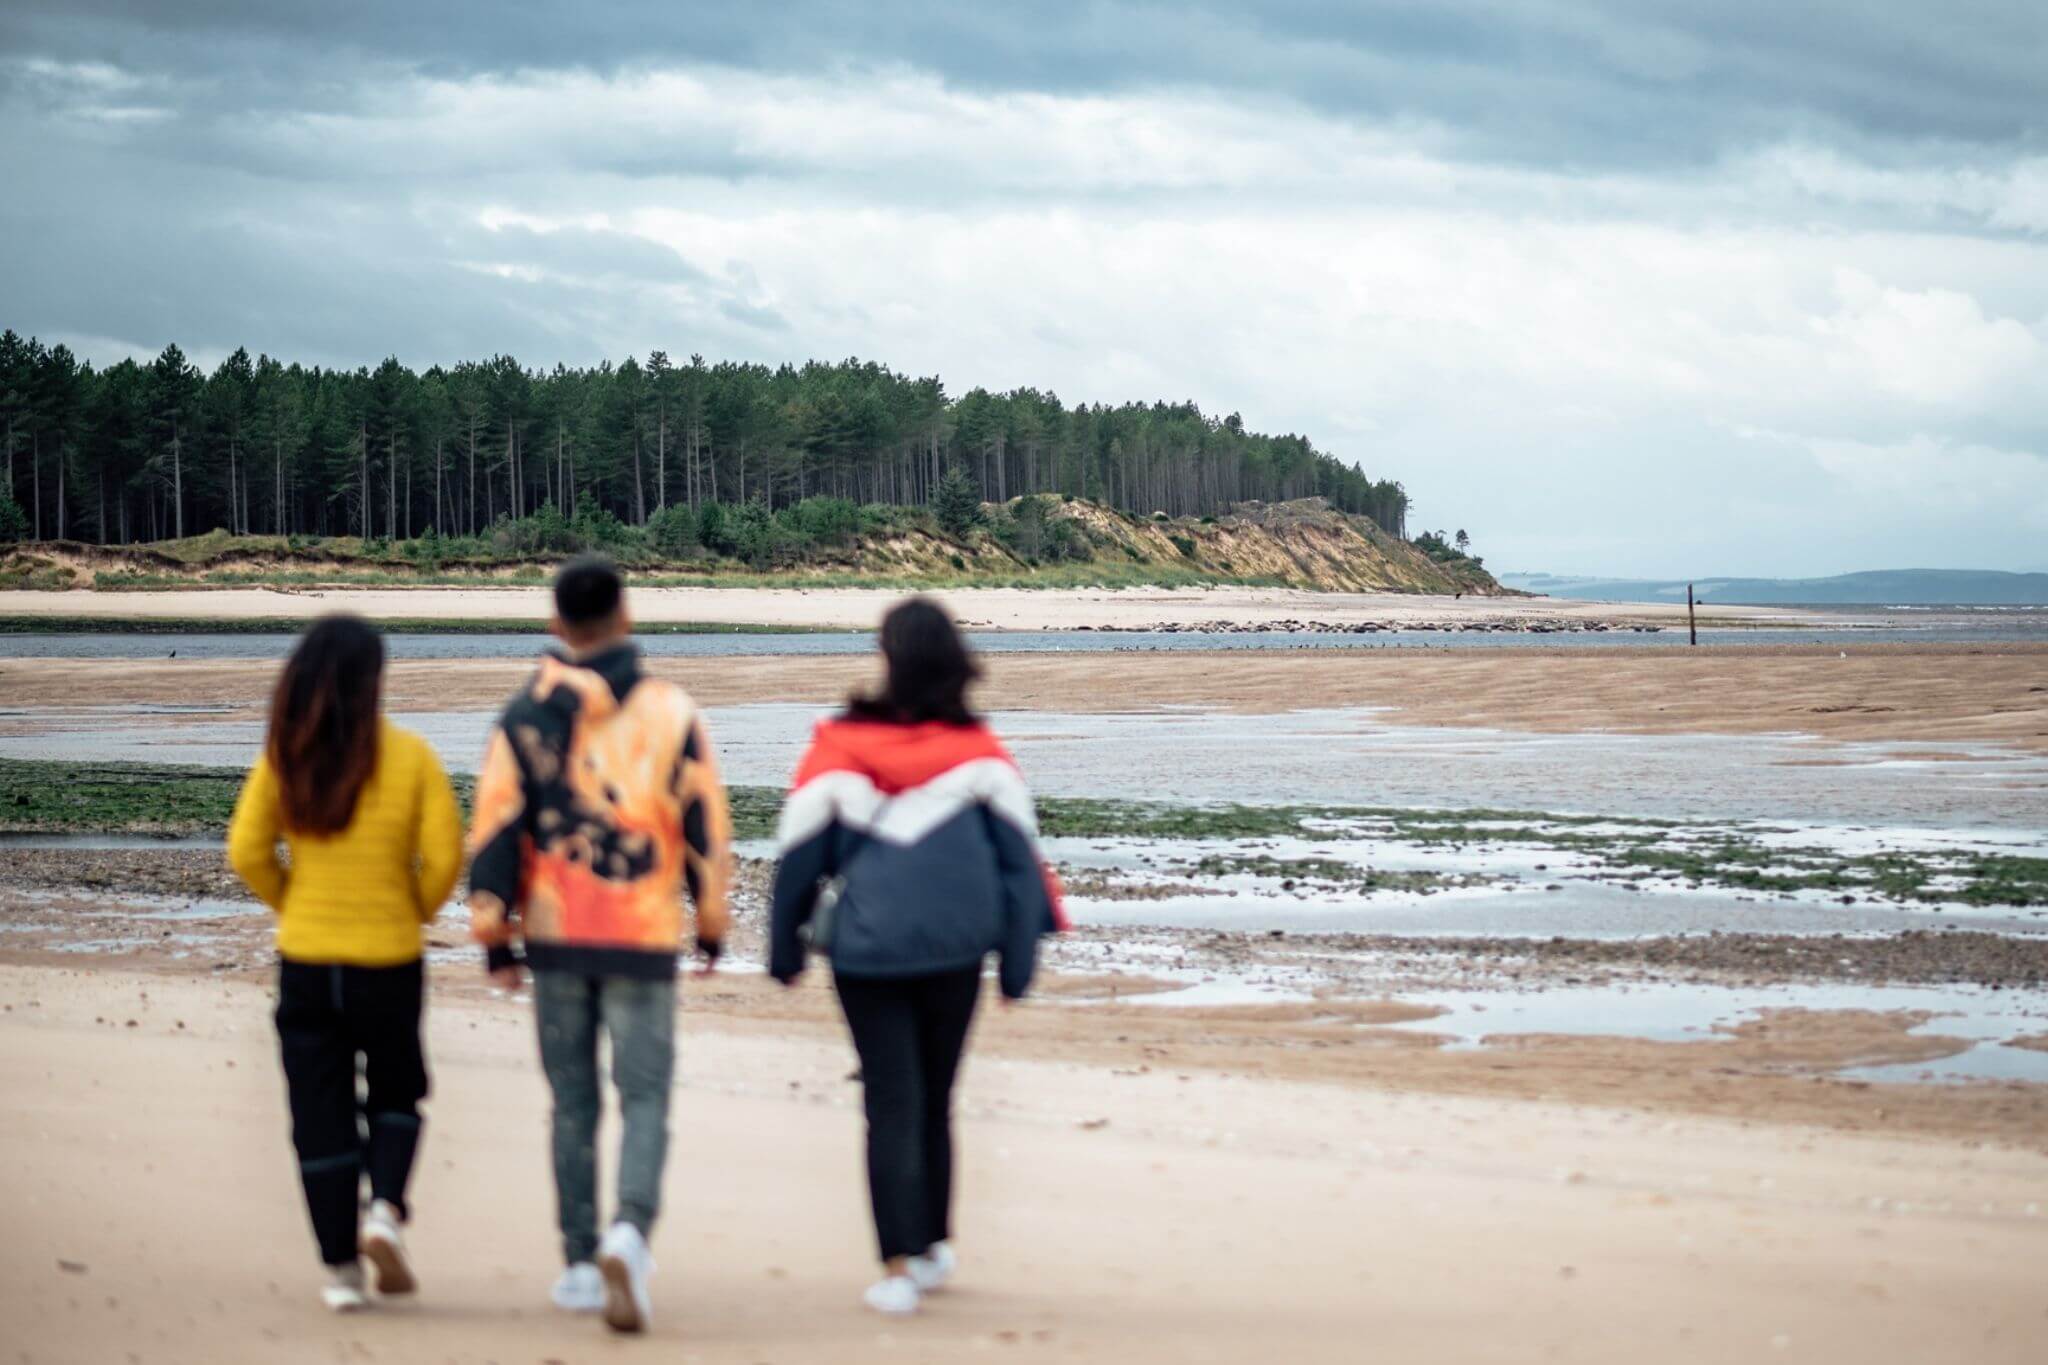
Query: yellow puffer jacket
{"points": [[359, 897]]}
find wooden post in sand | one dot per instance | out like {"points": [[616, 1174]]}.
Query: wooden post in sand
{"points": [[1692, 625]]}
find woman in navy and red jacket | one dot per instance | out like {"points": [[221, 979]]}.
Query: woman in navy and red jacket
{"points": [[918, 818]]}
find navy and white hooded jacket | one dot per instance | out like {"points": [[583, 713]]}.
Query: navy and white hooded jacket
{"points": [[930, 829]]}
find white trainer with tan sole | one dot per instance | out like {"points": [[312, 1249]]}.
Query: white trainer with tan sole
{"points": [[896, 1296], [383, 1246], [343, 1292], [626, 1264]]}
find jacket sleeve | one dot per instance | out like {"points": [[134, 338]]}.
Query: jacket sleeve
{"points": [[439, 836], [253, 835], [1029, 903], [707, 839], [498, 842], [807, 843]]}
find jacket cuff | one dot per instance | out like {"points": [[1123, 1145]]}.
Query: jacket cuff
{"points": [[500, 955]]}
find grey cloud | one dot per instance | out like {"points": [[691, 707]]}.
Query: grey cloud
{"points": [[149, 254], [1628, 82]]}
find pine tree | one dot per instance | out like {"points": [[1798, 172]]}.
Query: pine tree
{"points": [[956, 503]]}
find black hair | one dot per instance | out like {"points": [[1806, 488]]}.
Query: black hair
{"points": [[323, 723], [930, 669], [587, 593]]}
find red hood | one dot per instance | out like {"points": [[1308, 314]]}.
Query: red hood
{"points": [[896, 757]]}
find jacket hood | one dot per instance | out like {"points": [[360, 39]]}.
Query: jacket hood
{"points": [[597, 682], [896, 757]]}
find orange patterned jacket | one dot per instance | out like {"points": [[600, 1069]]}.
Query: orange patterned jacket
{"points": [[598, 804]]}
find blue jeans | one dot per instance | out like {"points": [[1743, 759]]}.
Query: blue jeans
{"points": [[640, 1018]]}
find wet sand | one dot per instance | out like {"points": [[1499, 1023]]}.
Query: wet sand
{"points": [[1940, 693], [1779, 1067], [1160, 1198], [862, 608]]}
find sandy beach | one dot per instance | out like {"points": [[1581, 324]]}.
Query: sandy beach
{"points": [[1339, 1172], [1150, 1210], [1940, 693], [862, 608]]}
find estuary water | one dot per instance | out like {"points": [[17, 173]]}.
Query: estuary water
{"points": [[1847, 629]]}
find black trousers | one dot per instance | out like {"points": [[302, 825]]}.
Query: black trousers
{"points": [[910, 1034], [328, 1019]]}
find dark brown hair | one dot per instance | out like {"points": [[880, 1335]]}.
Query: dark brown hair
{"points": [[930, 668], [323, 723]]}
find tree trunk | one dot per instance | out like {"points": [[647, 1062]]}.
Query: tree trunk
{"points": [[639, 491], [177, 481], [60, 492], [35, 483], [363, 445], [472, 476]]}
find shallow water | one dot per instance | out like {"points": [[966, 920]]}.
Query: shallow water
{"points": [[1863, 627], [1349, 756], [1671, 1012], [1581, 911]]}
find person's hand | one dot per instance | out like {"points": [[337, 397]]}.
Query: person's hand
{"points": [[508, 978]]}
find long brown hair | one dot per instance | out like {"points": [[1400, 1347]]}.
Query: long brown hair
{"points": [[930, 668], [323, 723]]}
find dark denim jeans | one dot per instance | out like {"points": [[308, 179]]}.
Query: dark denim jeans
{"points": [[640, 1018]]}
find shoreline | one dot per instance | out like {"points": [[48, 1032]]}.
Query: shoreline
{"points": [[1031, 609]]}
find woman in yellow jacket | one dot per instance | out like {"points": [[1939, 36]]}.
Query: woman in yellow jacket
{"points": [[375, 843]]}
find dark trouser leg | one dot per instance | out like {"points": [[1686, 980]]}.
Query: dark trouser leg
{"points": [[566, 1009], [883, 1022], [384, 1006], [320, 1080], [945, 1009], [640, 1016]]}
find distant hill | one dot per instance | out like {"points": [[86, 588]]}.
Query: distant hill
{"points": [[1878, 587]]}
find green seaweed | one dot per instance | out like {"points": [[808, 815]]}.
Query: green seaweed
{"points": [[51, 795]]}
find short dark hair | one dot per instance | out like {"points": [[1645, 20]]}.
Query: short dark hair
{"points": [[930, 668], [587, 593]]}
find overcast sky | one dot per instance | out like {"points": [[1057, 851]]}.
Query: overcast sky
{"points": [[1651, 287]]}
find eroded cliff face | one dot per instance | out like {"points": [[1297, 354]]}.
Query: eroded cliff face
{"points": [[1305, 544]]}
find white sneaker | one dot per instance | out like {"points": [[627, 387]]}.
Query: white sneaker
{"points": [[895, 1295], [625, 1262], [931, 1270], [580, 1289], [384, 1247], [343, 1292]]}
